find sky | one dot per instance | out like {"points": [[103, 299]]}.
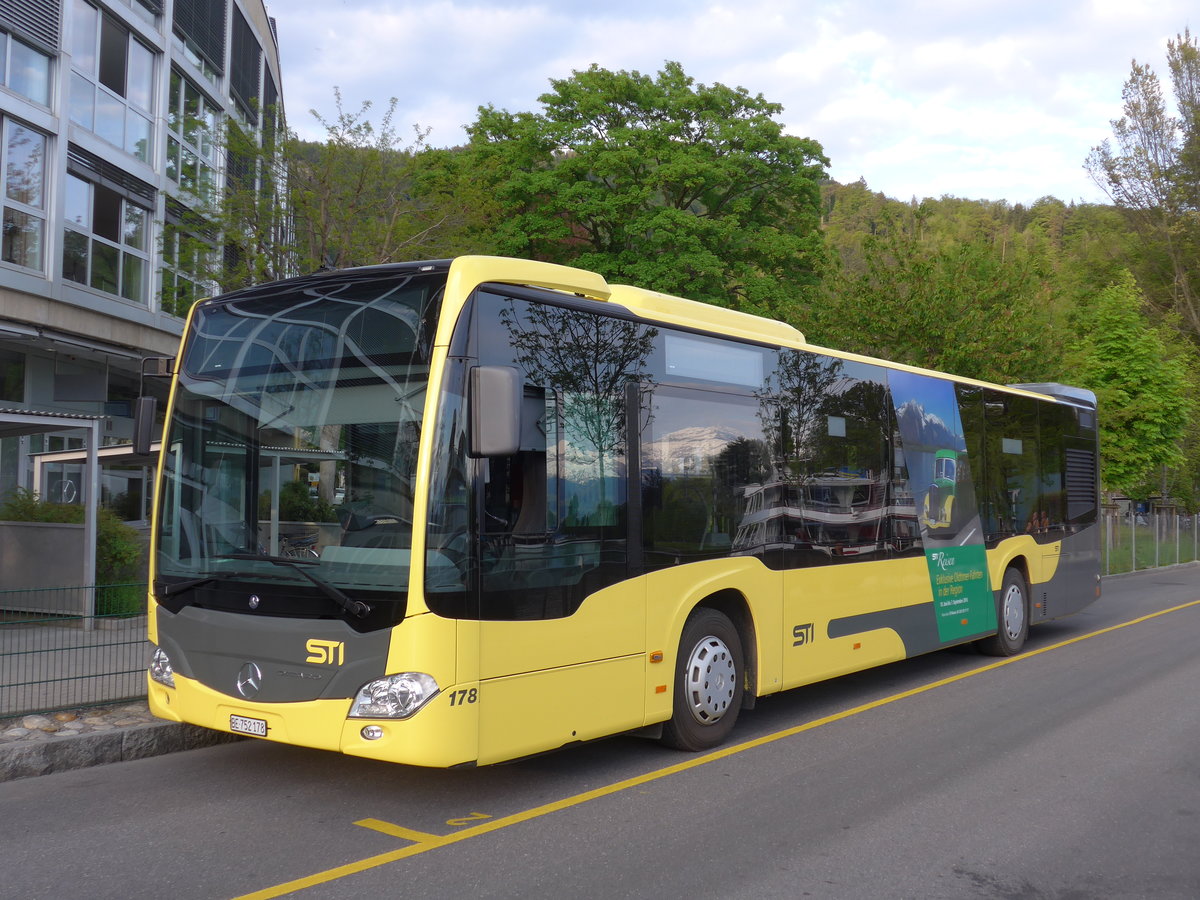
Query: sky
{"points": [[978, 99]]}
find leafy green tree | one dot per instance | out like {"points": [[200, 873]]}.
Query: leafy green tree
{"points": [[355, 197], [359, 197], [967, 307], [1152, 172], [1143, 389], [677, 186]]}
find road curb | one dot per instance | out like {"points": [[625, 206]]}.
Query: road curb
{"points": [[25, 759]]}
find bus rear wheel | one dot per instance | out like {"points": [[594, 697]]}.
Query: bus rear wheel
{"points": [[709, 676], [1012, 615]]}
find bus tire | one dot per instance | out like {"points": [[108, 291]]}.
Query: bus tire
{"points": [[709, 676], [1012, 618]]}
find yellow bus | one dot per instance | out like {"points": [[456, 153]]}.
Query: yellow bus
{"points": [[533, 509]]}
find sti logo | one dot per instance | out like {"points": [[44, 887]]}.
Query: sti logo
{"points": [[942, 561], [325, 653]]}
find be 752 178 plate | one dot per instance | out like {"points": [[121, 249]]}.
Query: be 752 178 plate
{"points": [[243, 725]]}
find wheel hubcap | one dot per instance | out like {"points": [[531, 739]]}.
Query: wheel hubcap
{"points": [[1014, 612], [710, 680]]}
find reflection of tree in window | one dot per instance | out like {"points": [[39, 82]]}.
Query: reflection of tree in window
{"points": [[744, 461], [24, 161], [800, 383], [590, 359], [554, 512]]}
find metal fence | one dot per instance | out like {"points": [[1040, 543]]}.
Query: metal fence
{"points": [[1132, 542], [50, 662]]}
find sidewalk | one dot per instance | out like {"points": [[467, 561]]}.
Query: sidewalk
{"points": [[55, 742]]}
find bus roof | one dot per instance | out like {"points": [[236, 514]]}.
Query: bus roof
{"points": [[468, 272]]}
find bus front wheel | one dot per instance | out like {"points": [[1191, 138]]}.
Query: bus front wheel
{"points": [[1012, 614], [709, 675]]}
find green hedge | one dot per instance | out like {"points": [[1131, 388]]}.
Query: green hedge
{"points": [[118, 548]]}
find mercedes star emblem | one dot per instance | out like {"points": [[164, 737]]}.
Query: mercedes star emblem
{"points": [[254, 601], [249, 680]]}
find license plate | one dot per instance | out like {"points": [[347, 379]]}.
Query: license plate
{"points": [[242, 725]]}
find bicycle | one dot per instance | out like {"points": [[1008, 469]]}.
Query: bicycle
{"points": [[294, 546], [298, 546]]}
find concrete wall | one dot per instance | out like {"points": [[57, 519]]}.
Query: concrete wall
{"points": [[38, 555]]}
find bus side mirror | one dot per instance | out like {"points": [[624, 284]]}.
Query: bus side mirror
{"points": [[145, 411], [494, 403]]}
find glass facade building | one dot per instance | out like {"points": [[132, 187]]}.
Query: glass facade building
{"points": [[111, 115]]}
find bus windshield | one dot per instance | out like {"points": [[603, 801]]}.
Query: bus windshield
{"points": [[291, 455]]}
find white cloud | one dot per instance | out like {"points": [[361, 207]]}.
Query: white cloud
{"points": [[998, 99]]}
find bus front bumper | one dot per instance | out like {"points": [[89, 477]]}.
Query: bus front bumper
{"points": [[440, 734]]}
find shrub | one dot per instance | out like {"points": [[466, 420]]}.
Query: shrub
{"points": [[296, 504], [118, 548]]}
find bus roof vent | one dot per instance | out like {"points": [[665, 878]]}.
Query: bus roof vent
{"points": [[704, 316], [1062, 391]]}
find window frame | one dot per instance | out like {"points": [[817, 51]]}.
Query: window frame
{"points": [[37, 212], [203, 146], [125, 250], [7, 40], [87, 85], [172, 243]]}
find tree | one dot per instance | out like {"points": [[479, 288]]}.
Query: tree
{"points": [[662, 182], [973, 307], [359, 197], [354, 197], [1153, 174], [1142, 388]]}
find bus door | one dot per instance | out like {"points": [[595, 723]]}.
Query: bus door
{"points": [[561, 624]]}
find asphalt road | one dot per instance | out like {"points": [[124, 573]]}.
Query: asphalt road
{"points": [[1071, 771]]}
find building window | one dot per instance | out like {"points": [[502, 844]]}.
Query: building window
{"points": [[245, 62], [149, 10], [112, 81], [187, 261], [23, 156], [199, 32], [105, 241], [24, 70], [191, 144], [12, 377]]}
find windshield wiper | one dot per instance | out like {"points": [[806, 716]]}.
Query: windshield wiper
{"points": [[354, 607], [293, 561], [170, 590]]}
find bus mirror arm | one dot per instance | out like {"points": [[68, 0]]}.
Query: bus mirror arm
{"points": [[494, 404]]}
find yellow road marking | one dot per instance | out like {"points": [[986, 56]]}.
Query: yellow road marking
{"points": [[473, 817], [424, 841], [408, 834]]}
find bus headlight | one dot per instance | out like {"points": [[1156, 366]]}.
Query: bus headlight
{"points": [[393, 697], [160, 668]]}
